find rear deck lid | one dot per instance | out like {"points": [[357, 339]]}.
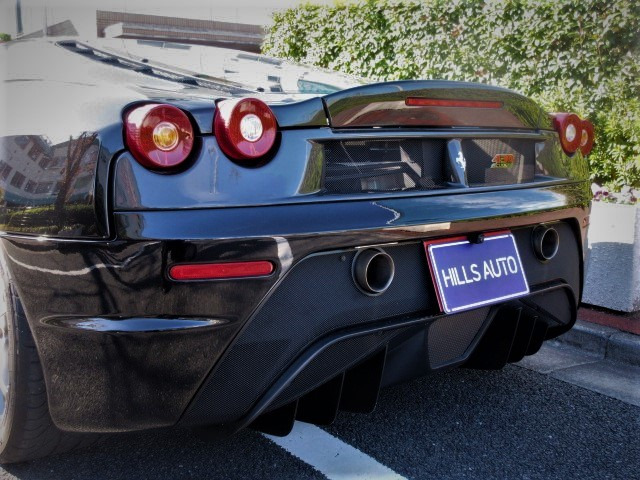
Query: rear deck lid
{"points": [[433, 103]]}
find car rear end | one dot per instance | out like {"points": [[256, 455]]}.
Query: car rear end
{"points": [[250, 282]]}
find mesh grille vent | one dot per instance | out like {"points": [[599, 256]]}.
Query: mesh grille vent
{"points": [[482, 170], [421, 164], [384, 165]]}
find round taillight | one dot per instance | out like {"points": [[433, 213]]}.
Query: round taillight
{"points": [[569, 128], [587, 137], [159, 136], [245, 128]]}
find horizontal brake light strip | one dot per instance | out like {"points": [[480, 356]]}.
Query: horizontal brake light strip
{"points": [[436, 102]]}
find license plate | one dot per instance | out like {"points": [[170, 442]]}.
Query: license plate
{"points": [[470, 275]]}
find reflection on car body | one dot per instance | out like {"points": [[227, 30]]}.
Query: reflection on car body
{"points": [[200, 237]]}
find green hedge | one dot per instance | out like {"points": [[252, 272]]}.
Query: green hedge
{"points": [[580, 56]]}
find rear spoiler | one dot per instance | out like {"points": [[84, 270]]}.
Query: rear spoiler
{"points": [[433, 103]]}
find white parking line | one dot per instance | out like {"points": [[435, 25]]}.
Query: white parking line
{"points": [[331, 456]]}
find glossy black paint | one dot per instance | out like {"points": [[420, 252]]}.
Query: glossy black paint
{"points": [[410, 295], [292, 175], [229, 184], [136, 324], [49, 189], [131, 375], [121, 381], [117, 281], [305, 114], [122, 346], [79, 144], [383, 105], [378, 220]]}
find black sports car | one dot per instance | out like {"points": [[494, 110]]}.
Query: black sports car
{"points": [[200, 237]]}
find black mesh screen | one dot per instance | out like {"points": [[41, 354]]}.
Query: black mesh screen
{"points": [[317, 297], [357, 166], [362, 166], [499, 161]]}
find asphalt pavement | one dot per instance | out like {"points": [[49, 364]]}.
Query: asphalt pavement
{"points": [[514, 423]]}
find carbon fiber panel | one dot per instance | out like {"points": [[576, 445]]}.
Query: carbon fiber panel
{"points": [[356, 166], [336, 358], [496, 161], [317, 297], [450, 336]]}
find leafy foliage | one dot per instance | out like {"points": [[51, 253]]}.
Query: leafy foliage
{"points": [[570, 55], [5, 37]]}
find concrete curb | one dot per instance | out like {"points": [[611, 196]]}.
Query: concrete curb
{"points": [[612, 264], [608, 343]]}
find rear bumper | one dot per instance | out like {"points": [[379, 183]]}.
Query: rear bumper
{"points": [[345, 370], [317, 304], [124, 348]]}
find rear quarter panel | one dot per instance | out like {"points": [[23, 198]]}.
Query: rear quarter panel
{"points": [[60, 127]]}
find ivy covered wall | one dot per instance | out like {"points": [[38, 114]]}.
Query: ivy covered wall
{"points": [[570, 55]]}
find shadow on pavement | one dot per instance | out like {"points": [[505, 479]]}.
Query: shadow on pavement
{"points": [[514, 423]]}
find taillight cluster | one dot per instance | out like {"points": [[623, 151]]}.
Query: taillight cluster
{"points": [[246, 129], [159, 136], [575, 134]]}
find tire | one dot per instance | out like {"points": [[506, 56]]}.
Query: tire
{"points": [[26, 428]]}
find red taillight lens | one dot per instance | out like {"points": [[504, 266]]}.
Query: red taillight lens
{"points": [[245, 128], [587, 137], [159, 136], [219, 271], [569, 128]]}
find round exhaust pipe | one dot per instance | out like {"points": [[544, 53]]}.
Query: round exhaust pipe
{"points": [[546, 242], [373, 271]]}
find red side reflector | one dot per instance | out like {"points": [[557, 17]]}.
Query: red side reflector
{"points": [[216, 271], [436, 102]]}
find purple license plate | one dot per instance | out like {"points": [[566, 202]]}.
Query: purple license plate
{"points": [[470, 275]]}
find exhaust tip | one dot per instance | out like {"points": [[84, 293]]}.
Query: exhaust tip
{"points": [[373, 270], [546, 242]]}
